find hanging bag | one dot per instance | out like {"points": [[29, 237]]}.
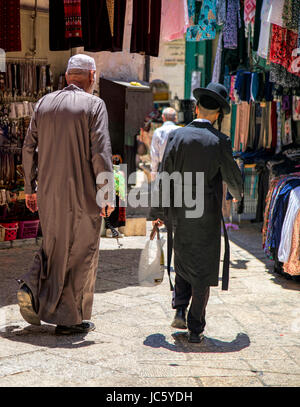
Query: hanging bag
{"points": [[152, 264]]}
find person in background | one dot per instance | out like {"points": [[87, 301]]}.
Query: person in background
{"points": [[160, 138], [67, 147]]}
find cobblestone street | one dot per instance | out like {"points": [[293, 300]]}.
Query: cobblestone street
{"points": [[252, 336]]}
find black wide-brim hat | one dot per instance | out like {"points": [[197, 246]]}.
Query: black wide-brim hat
{"points": [[216, 96]]}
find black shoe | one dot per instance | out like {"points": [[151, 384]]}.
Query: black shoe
{"points": [[82, 328], [179, 320], [194, 337], [26, 303]]}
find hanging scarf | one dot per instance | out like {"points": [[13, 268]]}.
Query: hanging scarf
{"points": [[232, 23], [249, 11], [10, 31], [73, 18]]}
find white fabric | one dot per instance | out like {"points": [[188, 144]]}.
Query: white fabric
{"points": [[202, 121], [158, 144], [275, 13], [265, 28], [81, 61], [288, 225]]}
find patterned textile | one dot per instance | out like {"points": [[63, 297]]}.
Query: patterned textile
{"points": [[72, 10], [232, 23], [10, 31], [290, 15], [249, 11], [281, 76], [296, 108], [218, 60], [283, 42], [292, 267], [205, 27]]}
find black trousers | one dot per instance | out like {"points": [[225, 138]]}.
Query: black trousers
{"points": [[183, 293]]}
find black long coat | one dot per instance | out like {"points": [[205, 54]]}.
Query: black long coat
{"points": [[199, 147]]}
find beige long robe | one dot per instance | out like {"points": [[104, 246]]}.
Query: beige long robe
{"points": [[70, 130]]}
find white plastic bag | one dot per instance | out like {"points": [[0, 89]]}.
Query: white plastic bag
{"points": [[152, 264]]}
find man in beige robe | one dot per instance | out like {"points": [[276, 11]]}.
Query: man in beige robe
{"points": [[66, 148]]}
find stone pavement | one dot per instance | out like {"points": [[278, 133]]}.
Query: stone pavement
{"points": [[252, 337]]}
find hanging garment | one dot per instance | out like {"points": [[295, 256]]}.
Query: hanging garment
{"points": [[296, 108], [232, 23], [63, 288], [72, 12], [10, 29], [146, 22], [292, 266], [99, 37], [218, 60], [57, 28], [264, 37], [242, 126], [280, 76], [290, 15], [249, 11], [204, 28], [288, 224], [283, 42], [275, 13], [174, 19], [257, 24]]}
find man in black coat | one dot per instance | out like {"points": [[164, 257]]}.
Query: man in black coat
{"points": [[198, 148]]}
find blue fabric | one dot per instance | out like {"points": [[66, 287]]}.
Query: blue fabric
{"points": [[279, 212]]}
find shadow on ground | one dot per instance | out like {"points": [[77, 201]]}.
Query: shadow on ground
{"points": [[208, 345], [117, 269], [249, 238], [44, 336]]}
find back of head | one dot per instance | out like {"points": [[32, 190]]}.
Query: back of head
{"points": [[169, 114], [81, 71]]}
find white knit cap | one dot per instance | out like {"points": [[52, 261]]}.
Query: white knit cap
{"points": [[81, 61]]}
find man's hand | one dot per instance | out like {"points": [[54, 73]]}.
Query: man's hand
{"points": [[157, 222], [110, 210], [31, 202]]}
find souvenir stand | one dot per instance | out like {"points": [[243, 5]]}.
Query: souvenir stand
{"points": [[258, 60]]}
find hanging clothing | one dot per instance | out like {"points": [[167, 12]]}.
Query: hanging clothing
{"points": [[290, 15], [242, 126], [264, 37], [283, 42], [205, 27], [232, 23], [174, 19], [275, 13], [218, 60], [10, 29], [257, 24], [60, 39], [72, 11], [99, 37], [70, 129], [249, 11], [288, 224], [146, 23], [292, 266]]}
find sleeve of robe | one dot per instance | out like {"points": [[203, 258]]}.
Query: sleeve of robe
{"points": [[230, 171], [101, 152], [29, 157]]}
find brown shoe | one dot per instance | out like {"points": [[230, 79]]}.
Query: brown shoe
{"points": [[26, 303]]}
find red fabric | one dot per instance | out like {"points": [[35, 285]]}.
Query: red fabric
{"points": [[122, 215], [10, 30], [283, 42], [73, 18]]}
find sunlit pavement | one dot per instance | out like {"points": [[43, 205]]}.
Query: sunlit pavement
{"points": [[252, 336]]}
